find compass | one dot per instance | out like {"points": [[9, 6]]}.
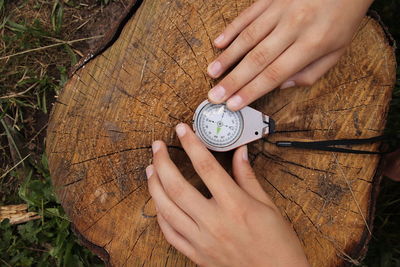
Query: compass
{"points": [[221, 129]]}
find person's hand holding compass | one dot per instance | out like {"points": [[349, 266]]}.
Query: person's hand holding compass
{"points": [[276, 44], [238, 226]]}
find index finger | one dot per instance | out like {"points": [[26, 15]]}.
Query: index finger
{"points": [[240, 23], [217, 180]]}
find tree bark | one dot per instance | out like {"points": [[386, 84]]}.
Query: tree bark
{"points": [[154, 75]]}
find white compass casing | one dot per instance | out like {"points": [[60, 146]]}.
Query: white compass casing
{"points": [[252, 124]]}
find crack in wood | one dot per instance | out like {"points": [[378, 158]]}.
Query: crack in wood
{"points": [[110, 154], [205, 29], [177, 63], [276, 158], [292, 174], [135, 243], [112, 207], [73, 182]]}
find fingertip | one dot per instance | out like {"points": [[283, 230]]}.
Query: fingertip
{"points": [[244, 152], [220, 46], [214, 69], [235, 103], [149, 171], [156, 146], [238, 162], [217, 94], [239, 152], [288, 84], [181, 129], [219, 41]]}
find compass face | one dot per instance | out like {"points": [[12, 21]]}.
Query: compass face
{"points": [[218, 126]]}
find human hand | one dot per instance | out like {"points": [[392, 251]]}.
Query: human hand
{"points": [[282, 43], [238, 226]]}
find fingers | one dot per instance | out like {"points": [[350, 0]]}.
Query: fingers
{"points": [[310, 74], [245, 177], [169, 210], [217, 180], [295, 58], [240, 23], [176, 239], [252, 64], [246, 40], [180, 191]]}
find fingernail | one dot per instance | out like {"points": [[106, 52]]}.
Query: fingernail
{"points": [[288, 84], [214, 68], [180, 130], [149, 171], [156, 146], [219, 39], [217, 93], [235, 102], [245, 154]]}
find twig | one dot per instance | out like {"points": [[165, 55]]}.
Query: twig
{"points": [[36, 135], [50, 46], [352, 193], [35, 249], [5, 262], [20, 93], [4, 175]]}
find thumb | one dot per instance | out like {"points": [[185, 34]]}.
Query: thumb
{"points": [[245, 177]]}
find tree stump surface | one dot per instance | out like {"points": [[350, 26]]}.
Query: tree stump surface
{"points": [[154, 76]]}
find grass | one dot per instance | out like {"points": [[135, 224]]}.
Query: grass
{"points": [[40, 35], [46, 38]]}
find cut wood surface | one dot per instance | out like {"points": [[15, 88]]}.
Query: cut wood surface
{"points": [[154, 76]]}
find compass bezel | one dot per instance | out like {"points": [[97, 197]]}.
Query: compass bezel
{"points": [[204, 137]]}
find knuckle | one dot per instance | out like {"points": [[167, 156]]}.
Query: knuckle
{"points": [[234, 26], [241, 211], [205, 166], [249, 35], [317, 41], [230, 80], [167, 216], [226, 58], [302, 15], [174, 191], [258, 58], [272, 74], [219, 232], [322, 40], [208, 250]]}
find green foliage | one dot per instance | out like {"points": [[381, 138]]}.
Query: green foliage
{"points": [[30, 81], [45, 242], [57, 16]]}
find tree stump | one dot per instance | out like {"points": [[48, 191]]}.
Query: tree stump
{"points": [[154, 76]]}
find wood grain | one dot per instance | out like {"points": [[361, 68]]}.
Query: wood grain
{"points": [[154, 76]]}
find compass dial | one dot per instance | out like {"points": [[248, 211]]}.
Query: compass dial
{"points": [[218, 126]]}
